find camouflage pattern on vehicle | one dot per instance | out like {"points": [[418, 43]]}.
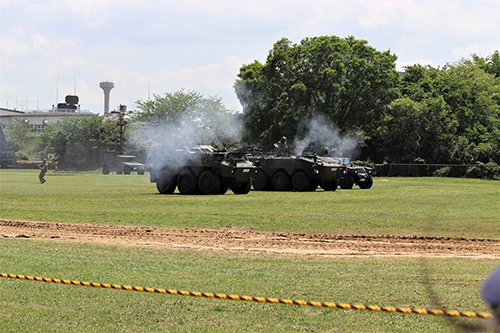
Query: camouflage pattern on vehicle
{"points": [[200, 170]]}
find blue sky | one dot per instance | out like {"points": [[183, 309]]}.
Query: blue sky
{"points": [[156, 46]]}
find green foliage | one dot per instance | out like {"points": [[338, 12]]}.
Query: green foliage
{"points": [[490, 64], [187, 116], [448, 115], [344, 79], [22, 136], [485, 171], [70, 130]]}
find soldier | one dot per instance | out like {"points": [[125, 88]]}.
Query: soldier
{"points": [[43, 170], [282, 147], [282, 143]]}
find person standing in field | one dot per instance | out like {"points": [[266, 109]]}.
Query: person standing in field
{"points": [[43, 170]]}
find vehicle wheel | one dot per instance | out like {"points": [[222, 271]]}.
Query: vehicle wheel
{"points": [[314, 185], [187, 182], [331, 186], [223, 188], [243, 188], [261, 182], [119, 172], [105, 170], [282, 182], [140, 171], [346, 182], [209, 182], [127, 170], [366, 184], [301, 182], [165, 182]]}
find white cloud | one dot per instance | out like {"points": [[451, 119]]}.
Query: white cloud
{"points": [[114, 52], [13, 48], [40, 42], [197, 44], [479, 49]]}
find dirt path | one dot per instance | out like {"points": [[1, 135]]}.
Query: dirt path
{"points": [[243, 239]]}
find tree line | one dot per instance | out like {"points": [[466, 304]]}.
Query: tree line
{"points": [[425, 114], [422, 115]]}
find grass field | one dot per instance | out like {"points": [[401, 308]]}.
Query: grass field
{"points": [[423, 206]]}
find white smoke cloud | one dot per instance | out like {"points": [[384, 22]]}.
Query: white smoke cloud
{"points": [[319, 132]]}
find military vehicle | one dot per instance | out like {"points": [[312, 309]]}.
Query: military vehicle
{"points": [[355, 174], [125, 164], [200, 169], [284, 171]]}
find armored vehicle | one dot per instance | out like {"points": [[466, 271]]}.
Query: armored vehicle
{"points": [[355, 174], [200, 170], [121, 164], [284, 171]]}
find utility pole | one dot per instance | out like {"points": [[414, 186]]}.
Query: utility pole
{"points": [[122, 122]]}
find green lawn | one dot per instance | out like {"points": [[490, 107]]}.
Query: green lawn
{"points": [[424, 206]]}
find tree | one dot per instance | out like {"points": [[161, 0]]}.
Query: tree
{"points": [[345, 80], [21, 134], [70, 130], [186, 117], [490, 64], [458, 118]]}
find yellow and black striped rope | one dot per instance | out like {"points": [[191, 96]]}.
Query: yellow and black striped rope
{"points": [[331, 305]]}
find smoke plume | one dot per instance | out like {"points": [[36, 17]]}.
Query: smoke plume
{"points": [[319, 132]]}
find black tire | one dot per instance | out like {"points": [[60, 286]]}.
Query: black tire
{"points": [[209, 183], [105, 170], [314, 185], [367, 184], [331, 186], [223, 188], [165, 182], [301, 182], [243, 188], [119, 172], [261, 182], [140, 171], [346, 182], [127, 170], [282, 181], [187, 182]]}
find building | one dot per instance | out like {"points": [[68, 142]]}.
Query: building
{"points": [[39, 119]]}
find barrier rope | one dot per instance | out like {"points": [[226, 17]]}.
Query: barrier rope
{"points": [[331, 305]]}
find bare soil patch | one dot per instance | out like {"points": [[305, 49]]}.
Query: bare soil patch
{"points": [[244, 239]]}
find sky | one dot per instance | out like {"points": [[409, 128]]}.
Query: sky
{"points": [[54, 48]]}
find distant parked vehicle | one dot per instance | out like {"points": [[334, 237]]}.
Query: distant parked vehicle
{"points": [[121, 164], [355, 175]]}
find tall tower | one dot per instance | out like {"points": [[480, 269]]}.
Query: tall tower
{"points": [[106, 86]]}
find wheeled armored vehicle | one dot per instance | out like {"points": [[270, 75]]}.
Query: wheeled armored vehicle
{"points": [[355, 175], [200, 170], [284, 171]]}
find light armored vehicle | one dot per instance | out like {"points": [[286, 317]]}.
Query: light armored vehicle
{"points": [[125, 164], [200, 170], [355, 174], [284, 171]]}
